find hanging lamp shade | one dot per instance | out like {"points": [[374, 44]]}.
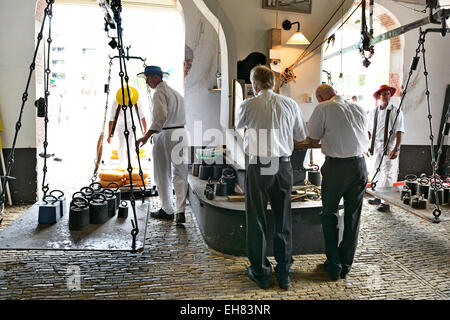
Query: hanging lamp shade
{"points": [[298, 37]]}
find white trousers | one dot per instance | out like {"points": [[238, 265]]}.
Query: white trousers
{"points": [[389, 168], [170, 168], [122, 151]]}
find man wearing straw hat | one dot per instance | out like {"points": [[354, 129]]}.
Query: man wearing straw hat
{"points": [[381, 120]]}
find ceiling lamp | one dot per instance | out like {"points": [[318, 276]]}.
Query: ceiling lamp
{"points": [[298, 37]]}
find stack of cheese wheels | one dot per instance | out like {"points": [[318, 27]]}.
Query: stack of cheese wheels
{"points": [[115, 154], [111, 175], [137, 181]]}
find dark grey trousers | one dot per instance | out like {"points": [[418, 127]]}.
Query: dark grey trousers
{"points": [[342, 178], [259, 189]]}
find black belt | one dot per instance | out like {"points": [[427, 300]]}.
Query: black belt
{"points": [[341, 159], [267, 160], [170, 128]]}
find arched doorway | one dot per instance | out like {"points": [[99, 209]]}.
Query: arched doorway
{"points": [[79, 66], [386, 64]]}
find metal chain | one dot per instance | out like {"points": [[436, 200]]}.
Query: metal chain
{"points": [[124, 76], [391, 132], [47, 71], [434, 164], [24, 100], [95, 175]]}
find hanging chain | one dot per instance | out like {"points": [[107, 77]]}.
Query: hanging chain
{"points": [[47, 71], [391, 132], [107, 91], [117, 7], [436, 184], [24, 100]]}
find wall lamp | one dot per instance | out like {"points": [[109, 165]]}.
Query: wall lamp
{"points": [[298, 37]]}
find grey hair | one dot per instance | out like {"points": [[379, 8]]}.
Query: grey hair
{"points": [[262, 77]]}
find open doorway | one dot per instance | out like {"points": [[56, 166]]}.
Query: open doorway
{"points": [[358, 81], [80, 66]]}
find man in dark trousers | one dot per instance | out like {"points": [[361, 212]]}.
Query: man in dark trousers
{"points": [[272, 123], [342, 128]]}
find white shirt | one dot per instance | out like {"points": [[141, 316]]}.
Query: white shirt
{"points": [[341, 126], [120, 122], [399, 126], [273, 122], [168, 108]]}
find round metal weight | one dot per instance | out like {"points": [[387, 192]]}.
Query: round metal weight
{"points": [[221, 188], [423, 190], [206, 172], [432, 196], [446, 193], [229, 177], [111, 199], [117, 192], [413, 186], [405, 192], [123, 210], [195, 169], [98, 209], [78, 214], [406, 199], [217, 171]]}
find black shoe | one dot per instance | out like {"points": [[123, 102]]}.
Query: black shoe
{"points": [[262, 282], [383, 207], [161, 214], [334, 274], [344, 272], [284, 281], [181, 218], [374, 201]]}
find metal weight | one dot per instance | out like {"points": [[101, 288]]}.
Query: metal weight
{"points": [[432, 196], [78, 214], [407, 199], [117, 193], [98, 209], [217, 171], [111, 199], [206, 172], [123, 210], [405, 192], [229, 177], [411, 183], [209, 185], [195, 169], [87, 192], [62, 201], [49, 213], [221, 188], [96, 186]]}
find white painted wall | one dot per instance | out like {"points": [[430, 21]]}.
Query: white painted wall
{"points": [[17, 41]]}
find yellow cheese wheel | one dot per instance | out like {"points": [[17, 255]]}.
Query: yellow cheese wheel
{"points": [[136, 183], [106, 183], [110, 175]]}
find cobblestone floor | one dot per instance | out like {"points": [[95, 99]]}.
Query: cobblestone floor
{"points": [[399, 256]]}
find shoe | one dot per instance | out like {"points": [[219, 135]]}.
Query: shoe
{"points": [[344, 272], [262, 282], [374, 201], [284, 281], [181, 218], [161, 214], [383, 207], [335, 275]]}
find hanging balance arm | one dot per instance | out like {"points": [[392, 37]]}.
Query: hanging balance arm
{"points": [[434, 18]]}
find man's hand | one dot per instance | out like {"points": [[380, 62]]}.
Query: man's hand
{"points": [[394, 154], [142, 141]]}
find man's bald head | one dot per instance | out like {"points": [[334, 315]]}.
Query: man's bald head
{"points": [[325, 92]]}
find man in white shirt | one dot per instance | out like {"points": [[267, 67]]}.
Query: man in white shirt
{"points": [[342, 128], [272, 123], [381, 123], [117, 127], [169, 136]]}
